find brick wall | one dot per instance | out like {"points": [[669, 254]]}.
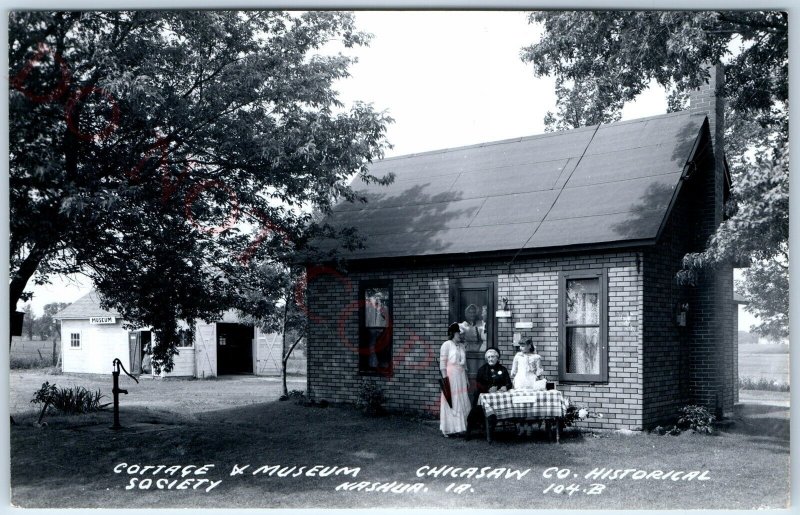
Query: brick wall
{"points": [[654, 366], [713, 344], [697, 364], [669, 355], [421, 316]]}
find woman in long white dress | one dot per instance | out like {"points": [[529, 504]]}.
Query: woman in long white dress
{"points": [[453, 365]]}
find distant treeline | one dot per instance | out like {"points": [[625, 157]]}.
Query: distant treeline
{"points": [[42, 327], [746, 338]]}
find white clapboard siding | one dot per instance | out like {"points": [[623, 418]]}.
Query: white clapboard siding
{"points": [[100, 344], [183, 363]]}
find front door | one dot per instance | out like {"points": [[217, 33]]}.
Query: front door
{"points": [[139, 343], [135, 346], [472, 300]]}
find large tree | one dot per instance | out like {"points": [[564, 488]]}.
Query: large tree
{"points": [[603, 59], [170, 156]]}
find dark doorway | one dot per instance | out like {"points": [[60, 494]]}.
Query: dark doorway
{"points": [[139, 343], [472, 300], [234, 349]]}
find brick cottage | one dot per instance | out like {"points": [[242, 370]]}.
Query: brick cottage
{"points": [[570, 238]]}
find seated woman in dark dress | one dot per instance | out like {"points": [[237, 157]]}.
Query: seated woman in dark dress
{"points": [[492, 377]]}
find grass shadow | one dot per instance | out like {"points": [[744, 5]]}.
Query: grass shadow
{"points": [[387, 448], [762, 421], [749, 410]]}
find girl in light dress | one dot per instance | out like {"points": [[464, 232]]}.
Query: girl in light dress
{"points": [[527, 373], [526, 370]]}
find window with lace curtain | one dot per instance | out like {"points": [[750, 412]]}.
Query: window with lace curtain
{"points": [[375, 331], [583, 327]]}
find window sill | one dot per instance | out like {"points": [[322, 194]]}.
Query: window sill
{"points": [[375, 373]]}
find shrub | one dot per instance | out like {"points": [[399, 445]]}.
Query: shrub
{"points": [[762, 383], [370, 397], [672, 430], [300, 397], [696, 418], [575, 413], [70, 401], [45, 394]]}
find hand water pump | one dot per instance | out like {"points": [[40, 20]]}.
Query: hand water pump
{"points": [[117, 365]]}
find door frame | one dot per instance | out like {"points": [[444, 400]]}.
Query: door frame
{"points": [[136, 349], [252, 347], [135, 352], [479, 282]]}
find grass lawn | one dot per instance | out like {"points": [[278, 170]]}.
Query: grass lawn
{"points": [[70, 463], [25, 353]]}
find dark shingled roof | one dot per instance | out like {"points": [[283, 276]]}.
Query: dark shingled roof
{"points": [[596, 186], [85, 307]]}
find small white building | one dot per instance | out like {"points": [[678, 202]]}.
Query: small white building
{"points": [[92, 337]]}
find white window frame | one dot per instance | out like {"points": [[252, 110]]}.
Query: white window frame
{"points": [[189, 346], [80, 340]]}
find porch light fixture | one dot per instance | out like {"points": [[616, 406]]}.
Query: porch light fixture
{"points": [[505, 312], [682, 314]]}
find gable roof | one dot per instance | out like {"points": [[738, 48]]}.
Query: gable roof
{"points": [[595, 186], [85, 307]]}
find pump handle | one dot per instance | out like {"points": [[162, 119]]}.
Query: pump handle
{"points": [[118, 363]]}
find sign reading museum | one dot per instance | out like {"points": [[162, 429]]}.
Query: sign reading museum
{"points": [[102, 320]]}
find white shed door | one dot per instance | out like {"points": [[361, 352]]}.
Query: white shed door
{"points": [[206, 352], [270, 347]]}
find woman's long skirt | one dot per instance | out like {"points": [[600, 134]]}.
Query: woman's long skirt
{"points": [[454, 420]]}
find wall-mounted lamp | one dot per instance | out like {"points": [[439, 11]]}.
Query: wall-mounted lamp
{"points": [[682, 314], [505, 312]]}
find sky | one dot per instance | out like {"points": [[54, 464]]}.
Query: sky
{"points": [[449, 79]]}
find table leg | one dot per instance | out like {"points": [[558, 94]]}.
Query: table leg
{"points": [[488, 427]]}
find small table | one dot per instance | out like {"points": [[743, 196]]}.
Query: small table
{"points": [[547, 405]]}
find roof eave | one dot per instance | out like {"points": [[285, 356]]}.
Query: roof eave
{"points": [[512, 254], [83, 317], [684, 175]]}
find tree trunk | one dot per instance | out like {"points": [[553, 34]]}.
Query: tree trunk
{"points": [[286, 360], [283, 346], [19, 279], [41, 414]]}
